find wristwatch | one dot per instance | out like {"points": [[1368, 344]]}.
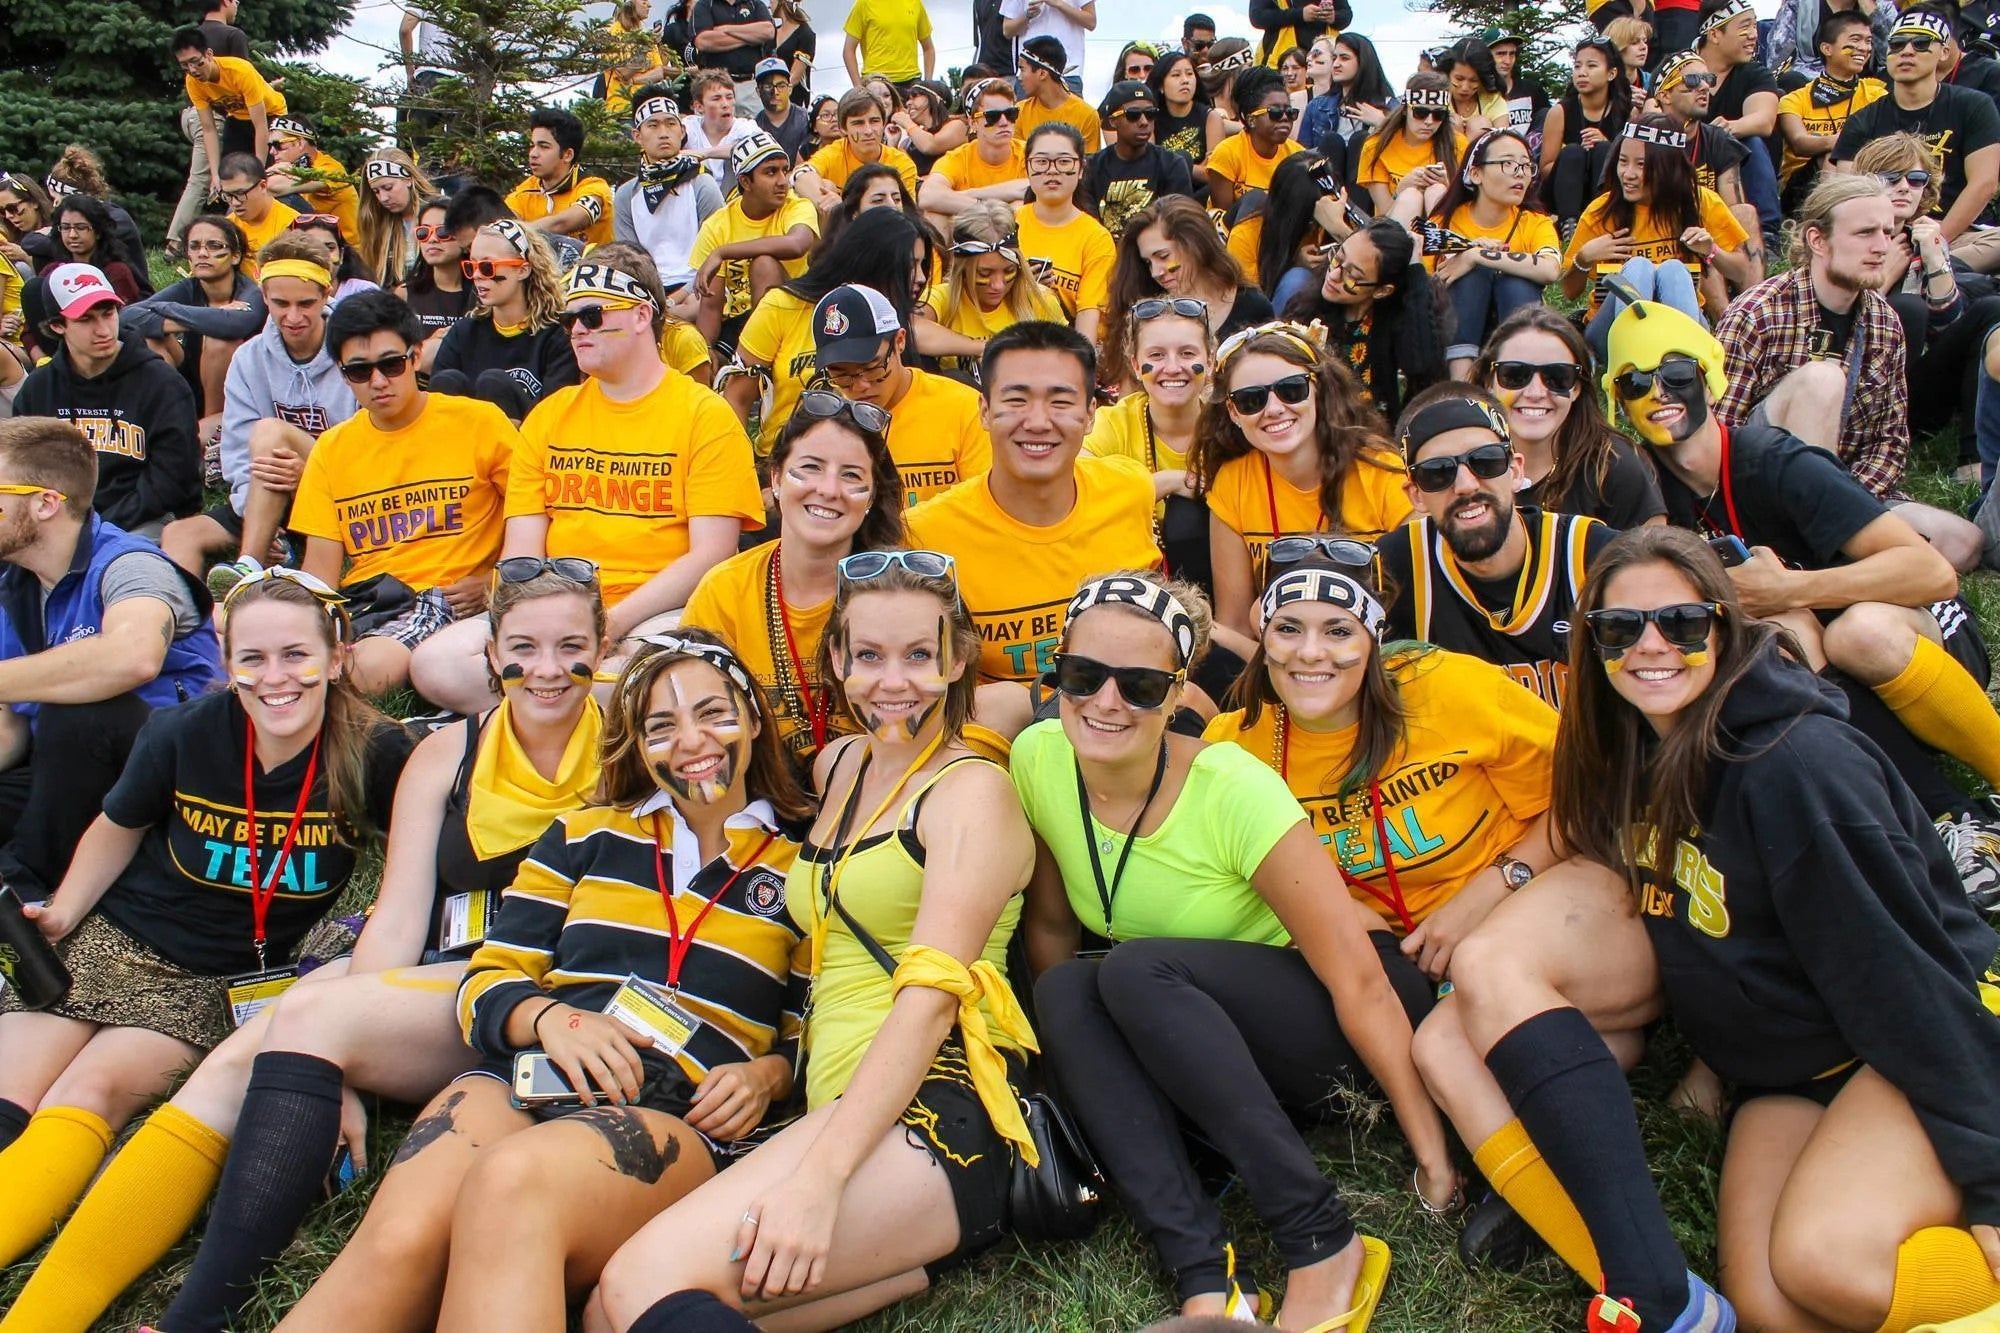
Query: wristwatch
{"points": [[1514, 872]]}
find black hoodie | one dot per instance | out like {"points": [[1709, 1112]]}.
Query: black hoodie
{"points": [[1816, 920], [140, 415]]}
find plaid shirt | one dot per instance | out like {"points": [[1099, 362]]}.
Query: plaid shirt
{"points": [[1767, 333]]}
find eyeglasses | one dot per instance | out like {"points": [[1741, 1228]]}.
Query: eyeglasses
{"points": [[1685, 625], [1153, 307], [993, 115], [823, 405], [1061, 166], [1916, 180], [1559, 377], [76, 229], [1134, 114], [869, 373], [1343, 551], [489, 268], [866, 565], [428, 233], [1921, 45], [1144, 688], [1705, 79], [392, 367], [1512, 166], [1350, 274], [591, 316], [23, 488], [238, 196], [1251, 399], [1285, 114], [527, 568], [1486, 462], [208, 247], [1427, 113], [1676, 374], [305, 220]]}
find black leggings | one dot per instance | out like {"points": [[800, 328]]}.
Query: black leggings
{"points": [[50, 798], [1575, 181], [1237, 1038], [1945, 368]]}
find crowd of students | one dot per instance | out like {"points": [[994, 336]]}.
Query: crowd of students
{"points": [[959, 591]]}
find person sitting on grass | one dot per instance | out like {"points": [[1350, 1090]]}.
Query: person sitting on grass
{"points": [[261, 214], [990, 167], [199, 322], [512, 350], [863, 126], [988, 286]]}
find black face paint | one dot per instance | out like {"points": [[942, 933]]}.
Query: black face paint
{"points": [[1146, 368], [735, 739], [429, 1130], [513, 676], [582, 673], [633, 1152], [1197, 370], [908, 728]]}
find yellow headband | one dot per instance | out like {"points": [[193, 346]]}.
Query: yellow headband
{"points": [[303, 269]]}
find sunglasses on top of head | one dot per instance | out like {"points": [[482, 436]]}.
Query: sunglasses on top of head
{"points": [[527, 568], [1251, 399], [1343, 551], [1486, 462], [1685, 625], [1143, 688]]}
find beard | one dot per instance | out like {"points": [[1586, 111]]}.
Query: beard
{"points": [[17, 534], [1469, 545], [1856, 279]]}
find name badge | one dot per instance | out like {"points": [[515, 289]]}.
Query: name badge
{"points": [[467, 917], [651, 1012], [251, 992]]}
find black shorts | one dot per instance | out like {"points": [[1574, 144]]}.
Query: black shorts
{"points": [[1820, 1091], [947, 1120], [1963, 638], [228, 519], [665, 1091]]}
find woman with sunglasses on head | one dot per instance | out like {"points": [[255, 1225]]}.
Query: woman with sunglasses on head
{"points": [[26, 215], [1287, 446], [513, 339], [436, 287], [1834, 979], [1188, 124], [1537, 365], [1489, 244], [83, 235], [1071, 251], [1155, 425], [1244, 162], [172, 918], [837, 492], [1580, 133], [278, 1095], [199, 321], [394, 187], [1416, 148], [350, 275], [909, 888], [497, 1215], [988, 286], [1170, 250], [1194, 864], [1382, 313]]}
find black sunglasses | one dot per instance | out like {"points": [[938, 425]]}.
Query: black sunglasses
{"points": [[1155, 306], [1343, 551], [1292, 390], [1486, 462], [1685, 625], [590, 316], [825, 405], [1705, 79], [425, 232], [1286, 114], [1676, 374], [1916, 180], [526, 568], [1920, 45], [392, 367], [1560, 376], [1144, 688], [1427, 113], [1135, 114], [993, 115]]}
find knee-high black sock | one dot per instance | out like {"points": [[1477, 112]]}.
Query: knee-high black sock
{"points": [[1575, 1104], [13, 1119], [691, 1312], [286, 1137]]}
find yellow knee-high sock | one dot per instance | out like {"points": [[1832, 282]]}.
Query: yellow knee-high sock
{"points": [[1514, 1167], [43, 1172], [1943, 706], [145, 1201], [1941, 1274]]}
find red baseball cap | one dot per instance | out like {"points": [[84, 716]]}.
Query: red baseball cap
{"points": [[75, 288]]}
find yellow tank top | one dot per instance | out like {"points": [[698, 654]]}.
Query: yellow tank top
{"points": [[880, 888]]}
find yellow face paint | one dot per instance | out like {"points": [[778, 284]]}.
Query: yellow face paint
{"points": [[728, 730]]}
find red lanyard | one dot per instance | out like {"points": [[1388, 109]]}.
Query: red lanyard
{"points": [[820, 707], [1728, 485], [678, 944], [1393, 899], [261, 891]]}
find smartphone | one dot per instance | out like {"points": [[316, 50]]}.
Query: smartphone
{"points": [[539, 1081], [1730, 550]]}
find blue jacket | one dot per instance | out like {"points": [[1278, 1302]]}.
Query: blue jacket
{"points": [[76, 608]]}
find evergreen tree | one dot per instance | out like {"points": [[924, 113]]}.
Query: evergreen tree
{"points": [[1548, 31]]}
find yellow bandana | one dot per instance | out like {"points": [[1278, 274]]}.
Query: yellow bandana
{"points": [[303, 269], [512, 803]]}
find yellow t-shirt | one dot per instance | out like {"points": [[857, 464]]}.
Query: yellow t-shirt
{"points": [[1248, 494], [889, 31], [237, 87], [1074, 111], [334, 193], [936, 437], [619, 481], [972, 322], [964, 169], [531, 203], [633, 45], [732, 226], [1653, 240], [1524, 231], [1245, 238], [779, 334], [1017, 579], [734, 600], [423, 503], [1386, 162], [1237, 162], [1822, 119], [1472, 774], [256, 234], [1119, 431], [683, 347], [836, 162], [1073, 260]]}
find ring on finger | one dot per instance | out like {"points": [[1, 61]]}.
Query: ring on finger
{"points": [[751, 1218]]}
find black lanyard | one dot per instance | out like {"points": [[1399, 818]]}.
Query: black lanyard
{"points": [[1107, 894]]}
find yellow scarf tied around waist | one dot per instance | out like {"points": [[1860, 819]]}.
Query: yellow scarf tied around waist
{"points": [[933, 968], [511, 802]]}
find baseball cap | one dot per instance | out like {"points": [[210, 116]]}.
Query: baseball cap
{"points": [[772, 65], [850, 324], [753, 149], [1122, 94], [75, 288]]}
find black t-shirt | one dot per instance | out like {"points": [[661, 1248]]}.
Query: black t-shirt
{"points": [[225, 39], [1957, 121], [740, 62], [1832, 330], [1250, 309], [1628, 496], [803, 43], [1799, 501], [1122, 188], [1186, 135], [1737, 87], [1981, 74], [186, 894], [439, 309], [1713, 152], [540, 362], [790, 132]]}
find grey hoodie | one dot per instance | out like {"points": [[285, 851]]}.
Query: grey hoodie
{"points": [[263, 382]]}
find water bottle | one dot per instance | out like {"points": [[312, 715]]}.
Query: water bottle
{"points": [[28, 962]]}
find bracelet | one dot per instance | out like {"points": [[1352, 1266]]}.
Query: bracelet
{"points": [[536, 1026], [1931, 274]]}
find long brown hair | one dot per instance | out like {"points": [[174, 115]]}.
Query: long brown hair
{"points": [[882, 526], [964, 639], [1584, 442], [1349, 432], [1616, 784], [385, 247], [624, 779], [1188, 225], [1445, 146], [347, 733]]}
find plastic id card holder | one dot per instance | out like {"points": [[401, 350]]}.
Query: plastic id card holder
{"points": [[651, 1012], [467, 918], [250, 992]]}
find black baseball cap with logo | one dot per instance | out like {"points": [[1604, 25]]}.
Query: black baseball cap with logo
{"points": [[1124, 93], [851, 325]]}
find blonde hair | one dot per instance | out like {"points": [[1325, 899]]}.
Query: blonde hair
{"points": [[1816, 212], [542, 286], [1622, 32], [964, 633], [385, 244], [1902, 152], [992, 222]]}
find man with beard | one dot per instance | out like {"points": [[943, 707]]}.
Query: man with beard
{"points": [[1821, 347], [1685, 91], [1858, 588], [1474, 572]]}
